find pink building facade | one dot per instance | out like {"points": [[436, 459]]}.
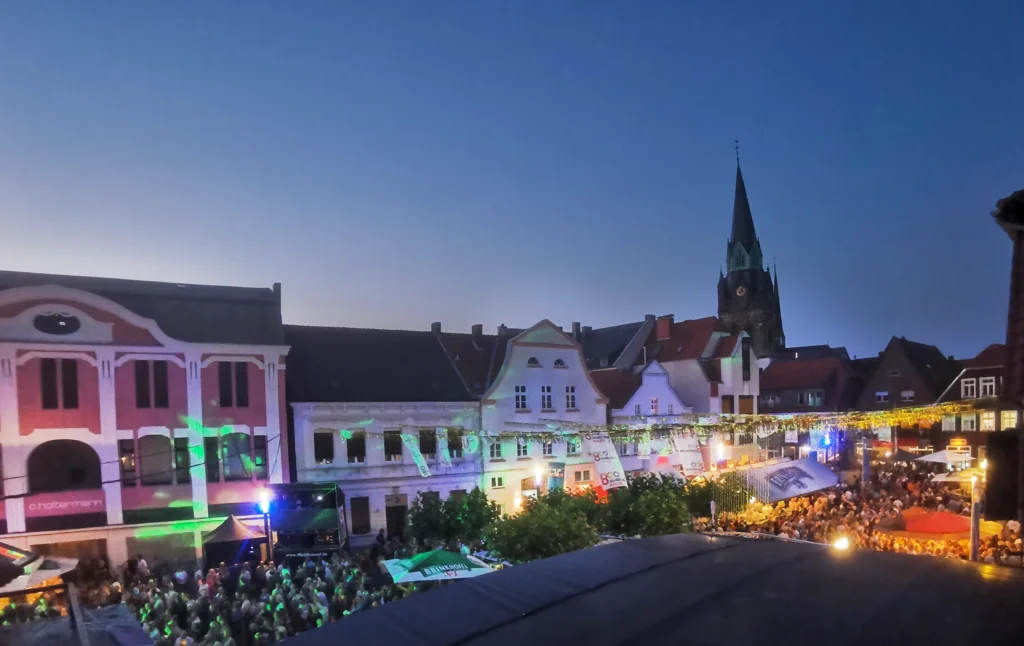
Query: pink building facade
{"points": [[134, 411]]}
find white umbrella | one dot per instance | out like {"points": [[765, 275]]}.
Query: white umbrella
{"points": [[438, 565], [945, 457]]}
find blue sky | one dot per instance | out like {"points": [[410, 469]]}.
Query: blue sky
{"points": [[395, 163]]}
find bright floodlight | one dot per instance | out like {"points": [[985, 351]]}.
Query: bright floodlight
{"points": [[888, 454], [984, 464], [753, 499], [264, 501], [841, 543]]}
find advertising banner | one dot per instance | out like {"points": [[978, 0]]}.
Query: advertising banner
{"points": [[443, 456], [606, 461], [793, 478], [65, 503], [556, 475], [688, 449], [412, 442]]}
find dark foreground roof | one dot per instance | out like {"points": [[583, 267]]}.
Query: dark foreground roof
{"points": [[694, 589], [191, 313], [343, 364], [109, 626]]}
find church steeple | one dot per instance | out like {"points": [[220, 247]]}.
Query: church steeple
{"points": [[744, 249]]}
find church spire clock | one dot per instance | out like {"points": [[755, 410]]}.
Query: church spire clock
{"points": [[748, 298]]}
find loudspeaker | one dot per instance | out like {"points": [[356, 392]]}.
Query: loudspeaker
{"points": [[1001, 482]]}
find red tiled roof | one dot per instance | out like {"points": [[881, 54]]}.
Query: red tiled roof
{"points": [[991, 357], [810, 373], [617, 385], [726, 347], [687, 339]]}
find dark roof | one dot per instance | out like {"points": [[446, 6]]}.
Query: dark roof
{"points": [[233, 530], [106, 626], [994, 356], [339, 364], [865, 367], [726, 346], [810, 352], [935, 368], [799, 373], [687, 339], [742, 221], [477, 357], [191, 313], [617, 385], [606, 343], [695, 589]]}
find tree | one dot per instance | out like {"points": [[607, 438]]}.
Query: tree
{"points": [[471, 515], [540, 531], [662, 511], [427, 519]]}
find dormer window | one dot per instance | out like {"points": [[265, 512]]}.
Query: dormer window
{"points": [[533, 363], [894, 373], [57, 323], [559, 363]]}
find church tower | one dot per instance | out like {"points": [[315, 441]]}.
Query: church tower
{"points": [[748, 297]]}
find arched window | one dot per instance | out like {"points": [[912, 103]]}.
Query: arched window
{"points": [[155, 460], [559, 363], [533, 363], [236, 457], [62, 465]]}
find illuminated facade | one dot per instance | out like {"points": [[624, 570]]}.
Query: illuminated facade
{"points": [[131, 411]]}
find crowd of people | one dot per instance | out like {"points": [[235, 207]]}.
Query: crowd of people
{"points": [[243, 605], [866, 512]]}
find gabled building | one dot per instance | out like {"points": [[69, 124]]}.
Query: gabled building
{"points": [[134, 415], [543, 384], [366, 401], [824, 383], [980, 383]]}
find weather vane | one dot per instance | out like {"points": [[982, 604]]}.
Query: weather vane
{"points": [[737, 145]]}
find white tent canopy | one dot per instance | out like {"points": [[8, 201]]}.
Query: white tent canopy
{"points": [[945, 457]]}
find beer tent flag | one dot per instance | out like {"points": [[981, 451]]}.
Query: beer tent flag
{"points": [[606, 460], [688, 449], [438, 565]]}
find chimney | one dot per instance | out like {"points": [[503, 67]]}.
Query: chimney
{"points": [[435, 327], [952, 358], [664, 326], [477, 330], [277, 290], [502, 330], [649, 318], [586, 331], [576, 330]]}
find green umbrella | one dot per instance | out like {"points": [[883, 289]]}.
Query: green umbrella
{"points": [[437, 565]]}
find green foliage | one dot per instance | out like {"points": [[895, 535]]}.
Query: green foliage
{"points": [[431, 519], [540, 531], [660, 512]]}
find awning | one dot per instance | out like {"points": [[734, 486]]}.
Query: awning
{"points": [[792, 478], [945, 457], [45, 572], [233, 530]]}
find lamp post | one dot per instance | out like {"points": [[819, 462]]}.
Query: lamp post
{"points": [[264, 504]]}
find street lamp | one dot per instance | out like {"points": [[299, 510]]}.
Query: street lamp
{"points": [[264, 504]]}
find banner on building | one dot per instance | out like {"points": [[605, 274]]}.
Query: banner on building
{"points": [[688, 449], [556, 475], [792, 437], [443, 454], [606, 461], [412, 442]]}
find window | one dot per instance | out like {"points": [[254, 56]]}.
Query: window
{"points": [[533, 363], [497, 482], [360, 515], [654, 406], [727, 404], [559, 363], [520, 397], [233, 384], [770, 400], [182, 461], [236, 456], [211, 459], [545, 398], [907, 395], [522, 449], [625, 448], [968, 389], [323, 448], [572, 447], [495, 450], [636, 409], [1008, 420], [949, 423], [65, 373], [126, 452], [670, 409], [988, 420], [745, 345], [151, 384], [812, 398], [428, 444], [155, 460], [988, 386], [894, 373], [881, 396], [356, 448], [454, 444], [392, 446], [259, 456], [583, 476], [570, 397], [969, 422], [547, 449]]}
